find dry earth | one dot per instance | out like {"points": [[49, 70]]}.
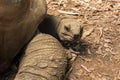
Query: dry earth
{"points": [[101, 22]]}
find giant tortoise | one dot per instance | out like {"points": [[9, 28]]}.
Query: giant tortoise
{"points": [[44, 57]]}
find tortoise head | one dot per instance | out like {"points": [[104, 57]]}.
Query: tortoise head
{"points": [[13, 10], [70, 30]]}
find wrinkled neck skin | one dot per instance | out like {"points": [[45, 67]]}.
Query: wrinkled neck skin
{"points": [[18, 22]]}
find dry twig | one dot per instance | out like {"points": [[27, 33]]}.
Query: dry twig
{"points": [[68, 13]]}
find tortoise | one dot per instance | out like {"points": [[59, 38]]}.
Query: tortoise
{"points": [[44, 57]]}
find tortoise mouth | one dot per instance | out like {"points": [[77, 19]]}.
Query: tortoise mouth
{"points": [[13, 10]]}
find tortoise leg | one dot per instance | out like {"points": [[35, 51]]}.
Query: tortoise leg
{"points": [[44, 59]]}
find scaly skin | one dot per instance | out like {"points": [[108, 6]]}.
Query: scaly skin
{"points": [[69, 30], [18, 23], [44, 59], [64, 29]]}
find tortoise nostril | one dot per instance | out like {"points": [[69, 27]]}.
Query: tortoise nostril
{"points": [[76, 37]]}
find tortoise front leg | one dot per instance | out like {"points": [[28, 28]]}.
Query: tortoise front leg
{"points": [[44, 59]]}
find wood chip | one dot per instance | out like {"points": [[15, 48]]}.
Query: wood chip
{"points": [[68, 12], [84, 67], [87, 33]]}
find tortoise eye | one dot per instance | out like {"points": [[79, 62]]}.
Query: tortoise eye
{"points": [[67, 28]]}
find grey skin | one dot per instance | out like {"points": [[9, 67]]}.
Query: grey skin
{"points": [[67, 31], [64, 29], [44, 59]]}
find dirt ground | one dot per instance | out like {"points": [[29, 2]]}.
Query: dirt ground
{"points": [[101, 22]]}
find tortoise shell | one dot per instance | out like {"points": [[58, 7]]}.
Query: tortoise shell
{"points": [[18, 23]]}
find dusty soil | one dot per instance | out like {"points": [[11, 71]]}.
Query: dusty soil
{"points": [[101, 22]]}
